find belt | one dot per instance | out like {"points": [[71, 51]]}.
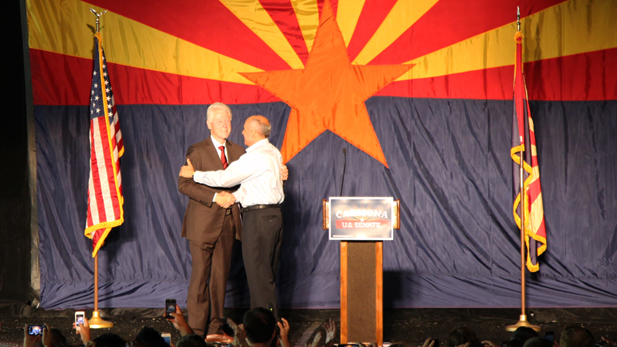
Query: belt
{"points": [[260, 207]]}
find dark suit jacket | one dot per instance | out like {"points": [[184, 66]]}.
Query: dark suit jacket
{"points": [[203, 220]]}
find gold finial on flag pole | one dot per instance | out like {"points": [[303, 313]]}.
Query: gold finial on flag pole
{"points": [[98, 17]]}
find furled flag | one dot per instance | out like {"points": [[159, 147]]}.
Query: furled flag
{"points": [[104, 185], [524, 139]]}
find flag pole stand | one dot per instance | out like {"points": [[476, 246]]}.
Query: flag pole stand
{"points": [[522, 321], [96, 322]]}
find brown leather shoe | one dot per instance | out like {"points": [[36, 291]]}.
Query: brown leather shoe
{"points": [[219, 338]]}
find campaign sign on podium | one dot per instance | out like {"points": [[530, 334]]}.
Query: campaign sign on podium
{"points": [[361, 219]]}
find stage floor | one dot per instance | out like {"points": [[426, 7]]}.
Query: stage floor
{"points": [[412, 326]]}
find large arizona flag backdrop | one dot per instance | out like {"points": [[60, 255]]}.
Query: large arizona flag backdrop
{"points": [[419, 94]]}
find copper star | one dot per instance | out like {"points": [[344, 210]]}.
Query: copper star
{"points": [[329, 93]]}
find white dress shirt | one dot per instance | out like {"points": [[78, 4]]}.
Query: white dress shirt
{"points": [[258, 172]]}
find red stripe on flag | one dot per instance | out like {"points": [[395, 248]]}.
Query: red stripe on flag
{"points": [[134, 86], [556, 79], [96, 237], [59, 79], [89, 221], [493, 84], [54, 83], [119, 143], [560, 78], [550, 80]]}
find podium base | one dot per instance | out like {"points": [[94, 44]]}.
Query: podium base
{"points": [[522, 322], [96, 322]]}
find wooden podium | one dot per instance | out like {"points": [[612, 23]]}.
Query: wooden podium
{"points": [[362, 285]]}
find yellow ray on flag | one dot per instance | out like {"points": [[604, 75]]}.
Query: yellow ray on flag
{"points": [[487, 50], [347, 16], [588, 22], [257, 19], [62, 27], [402, 16], [546, 38], [307, 13]]}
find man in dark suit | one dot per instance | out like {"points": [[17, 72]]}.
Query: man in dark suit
{"points": [[210, 224]]}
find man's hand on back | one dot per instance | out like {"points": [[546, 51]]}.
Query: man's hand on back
{"points": [[187, 170]]}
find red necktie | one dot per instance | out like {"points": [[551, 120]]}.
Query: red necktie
{"points": [[223, 158]]}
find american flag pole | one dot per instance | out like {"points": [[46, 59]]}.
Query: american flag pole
{"points": [[105, 199]]}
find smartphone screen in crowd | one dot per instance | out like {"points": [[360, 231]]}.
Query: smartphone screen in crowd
{"points": [[167, 338], [80, 316], [170, 307], [34, 330]]}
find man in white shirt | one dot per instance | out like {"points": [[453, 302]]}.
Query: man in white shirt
{"points": [[261, 194]]}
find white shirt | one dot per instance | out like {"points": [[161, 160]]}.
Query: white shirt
{"points": [[217, 145], [258, 172]]}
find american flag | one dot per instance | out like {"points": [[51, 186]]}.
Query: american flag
{"points": [[105, 198], [524, 139]]}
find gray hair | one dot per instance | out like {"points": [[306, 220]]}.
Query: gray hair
{"points": [[217, 106]]}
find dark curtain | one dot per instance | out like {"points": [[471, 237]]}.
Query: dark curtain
{"points": [[448, 162]]}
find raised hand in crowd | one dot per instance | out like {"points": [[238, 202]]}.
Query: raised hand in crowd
{"points": [[31, 340], [83, 330], [429, 342], [47, 341], [284, 332], [224, 199], [330, 328], [179, 322], [239, 338], [318, 338], [45, 335]]}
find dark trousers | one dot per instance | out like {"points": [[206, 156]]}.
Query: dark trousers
{"points": [[206, 294], [262, 235]]}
